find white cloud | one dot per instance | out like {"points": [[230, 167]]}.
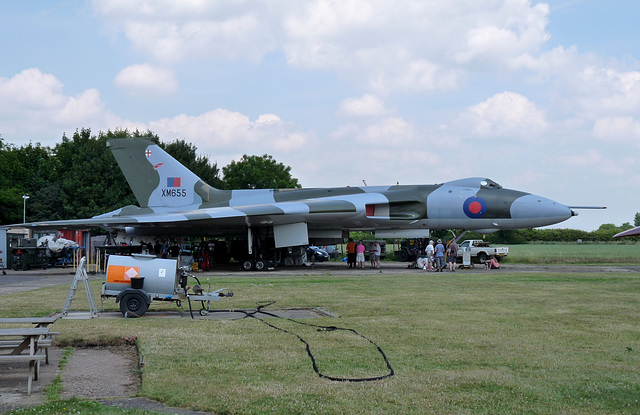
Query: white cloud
{"points": [[593, 159], [171, 31], [384, 45], [550, 63], [143, 79], [385, 133], [609, 91], [588, 158], [223, 132], [31, 90], [33, 103], [86, 106], [507, 114], [621, 129], [365, 106], [268, 119], [413, 45], [503, 32]]}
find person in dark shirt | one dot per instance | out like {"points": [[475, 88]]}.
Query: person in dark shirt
{"points": [[452, 255]]}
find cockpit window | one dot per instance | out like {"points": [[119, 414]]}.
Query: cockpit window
{"points": [[489, 184]]}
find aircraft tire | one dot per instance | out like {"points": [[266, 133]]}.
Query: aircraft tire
{"points": [[260, 265], [248, 265], [133, 305]]}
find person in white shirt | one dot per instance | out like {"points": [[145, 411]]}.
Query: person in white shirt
{"points": [[429, 250], [376, 253]]}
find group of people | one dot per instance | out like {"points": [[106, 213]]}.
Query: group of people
{"points": [[436, 255], [161, 249], [356, 257]]}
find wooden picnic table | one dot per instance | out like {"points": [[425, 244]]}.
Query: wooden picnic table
{"points": [[38, 321], [45, 341], [24, 349]]}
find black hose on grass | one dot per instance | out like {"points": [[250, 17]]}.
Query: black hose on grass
{"points": [[259, 309]]}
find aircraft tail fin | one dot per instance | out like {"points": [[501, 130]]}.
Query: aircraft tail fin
{"points": [[156, 178]]}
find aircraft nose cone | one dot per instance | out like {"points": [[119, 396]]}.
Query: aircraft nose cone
{"points": [[540, 209]]}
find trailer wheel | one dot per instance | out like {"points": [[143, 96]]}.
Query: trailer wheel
{"points": [[133, 305]]}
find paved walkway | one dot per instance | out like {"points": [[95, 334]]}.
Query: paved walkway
{"points": [[20, 281]]}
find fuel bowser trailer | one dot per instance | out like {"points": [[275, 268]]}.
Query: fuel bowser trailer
{"points": [[137, 280]]}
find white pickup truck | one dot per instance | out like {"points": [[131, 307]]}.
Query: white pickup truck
{"points": [[482, 251]]}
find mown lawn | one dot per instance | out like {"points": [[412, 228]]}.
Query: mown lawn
{"points": [[473, 343], [574, 253]]}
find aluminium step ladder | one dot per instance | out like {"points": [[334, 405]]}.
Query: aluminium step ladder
{"points": [[81, 275]]}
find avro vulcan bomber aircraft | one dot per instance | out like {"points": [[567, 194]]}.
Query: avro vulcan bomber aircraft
{"points": [[174, 201]]}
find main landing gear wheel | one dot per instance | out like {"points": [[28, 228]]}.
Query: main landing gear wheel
{"points": [[247, 265], [133, 305], [260, 265]]}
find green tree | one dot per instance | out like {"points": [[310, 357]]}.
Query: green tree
{"points": [[79, 177], [605, 232], [636, 220], [90, 181], [10, 194], [24, 171], [40, 174], [258, 172]]}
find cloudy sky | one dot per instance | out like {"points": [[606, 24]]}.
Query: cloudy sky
{"points": [[539, 96]]}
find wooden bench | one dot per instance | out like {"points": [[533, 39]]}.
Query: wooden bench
{"points": [[43, 345], [25, 349], [33, 364], [44, 342], [38, 321]]}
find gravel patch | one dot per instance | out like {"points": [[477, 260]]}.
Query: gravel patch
{"points": [[94, 373]]}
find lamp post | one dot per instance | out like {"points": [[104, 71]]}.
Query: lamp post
{"points": [[24, 208]]}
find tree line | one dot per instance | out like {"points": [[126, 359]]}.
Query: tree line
{"points": [[79, 177], [520, 236]]}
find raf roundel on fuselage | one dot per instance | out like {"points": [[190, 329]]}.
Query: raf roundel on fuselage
{"points": [[475, 207]]}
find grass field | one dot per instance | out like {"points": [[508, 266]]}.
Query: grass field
{"points": [[584, 253], [474, 343], [570, 253]]}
